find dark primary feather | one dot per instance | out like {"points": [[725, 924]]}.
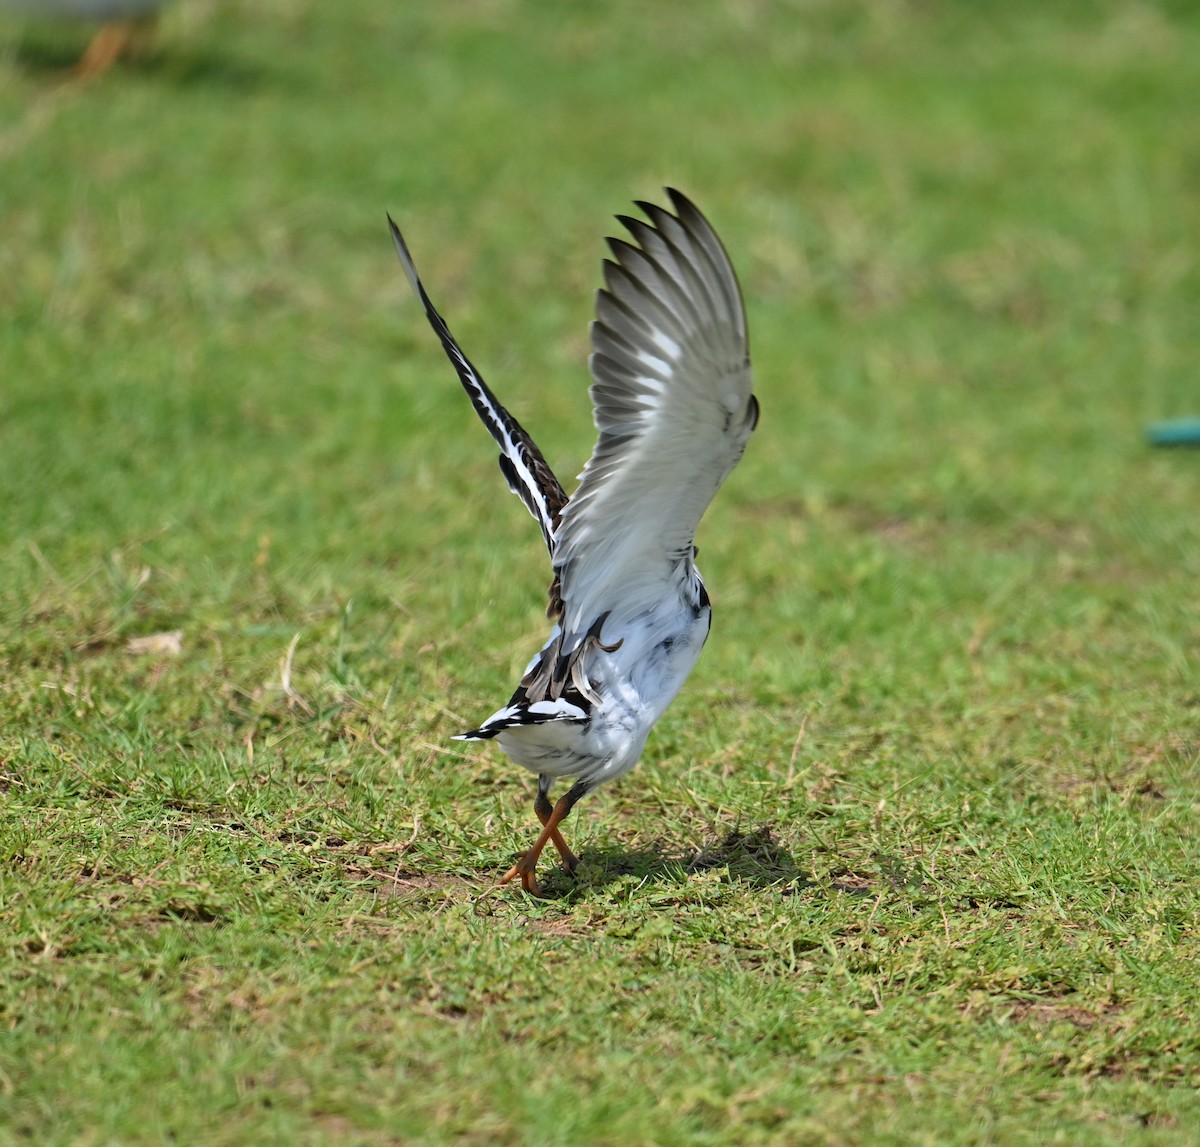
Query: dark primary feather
{"points": [[521, 462], [673, 404]]}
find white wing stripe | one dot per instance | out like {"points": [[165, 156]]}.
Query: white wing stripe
{"points": [[667, 345], [654, 363]]}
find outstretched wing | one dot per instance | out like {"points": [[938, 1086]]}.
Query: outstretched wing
{"points": [[521, 462], [672, 393]]}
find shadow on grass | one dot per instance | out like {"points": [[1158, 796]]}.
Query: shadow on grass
{"points": [[755, 858]]}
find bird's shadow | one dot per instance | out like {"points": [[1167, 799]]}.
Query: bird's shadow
{"points": [[753, 858]]}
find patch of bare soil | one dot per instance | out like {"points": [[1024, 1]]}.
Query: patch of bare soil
{"points": [[1045, 1012], [411, 884]]}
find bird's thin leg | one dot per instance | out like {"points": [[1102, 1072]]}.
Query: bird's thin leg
{"points": [[107, 46], [115, 39], [527, 865], [544, 810]]}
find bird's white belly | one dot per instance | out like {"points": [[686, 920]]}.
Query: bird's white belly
{"points": [[635, 683]]}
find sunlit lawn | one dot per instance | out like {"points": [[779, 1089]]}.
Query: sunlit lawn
{"points": [[913, 857]]}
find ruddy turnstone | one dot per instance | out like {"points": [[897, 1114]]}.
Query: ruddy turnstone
{"points": [[121, 24], [671, 384]]}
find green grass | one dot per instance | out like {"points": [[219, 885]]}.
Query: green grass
{"points": [[913, 857]]}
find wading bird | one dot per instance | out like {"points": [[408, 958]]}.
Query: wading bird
{"points": [[120, 22], [671, 389]]}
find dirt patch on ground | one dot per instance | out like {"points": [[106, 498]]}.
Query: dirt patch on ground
{"points": [[560, 927], [1044, 1012], [407, 885]]}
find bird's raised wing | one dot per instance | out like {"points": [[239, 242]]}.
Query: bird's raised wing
{"points": [[521, 462], [672, 393]]}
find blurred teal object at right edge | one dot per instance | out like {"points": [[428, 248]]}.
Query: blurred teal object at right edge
{"points": [[1175, 432]]}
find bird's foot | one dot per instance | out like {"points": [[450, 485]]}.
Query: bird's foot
{"points": [[527, 875], [550, 817], [525, 870]]}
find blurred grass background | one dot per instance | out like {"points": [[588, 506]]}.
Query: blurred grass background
{"points": [[912, 857]]}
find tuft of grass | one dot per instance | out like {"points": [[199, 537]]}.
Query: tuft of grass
{"points": [[912, 858]]}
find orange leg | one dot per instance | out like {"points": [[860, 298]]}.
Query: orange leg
{"points": [[107, 47], [526, 867], [545, 810], [111, 43]]}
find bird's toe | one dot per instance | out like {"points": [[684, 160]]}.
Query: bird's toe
{"points": [[527, 875]]}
